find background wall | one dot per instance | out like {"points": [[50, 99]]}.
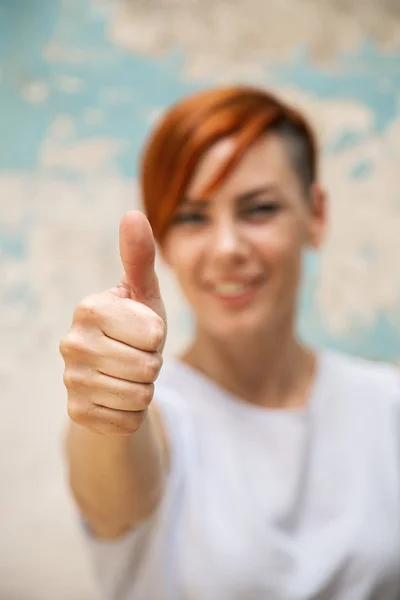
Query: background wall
{"points": [[81, 83]]}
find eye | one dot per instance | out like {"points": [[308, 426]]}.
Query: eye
{"points": [[262, 210], [191, 217]]}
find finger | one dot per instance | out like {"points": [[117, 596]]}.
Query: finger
{"points": [[138, 253], [136, 325], [118, 394], [120, 319], [124, 362], [110, 392], [102, 419]]}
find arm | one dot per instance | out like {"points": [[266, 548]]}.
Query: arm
{"points": [[117, 481], [116, 446]]}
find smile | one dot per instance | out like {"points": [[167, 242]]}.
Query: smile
{"points": [[231, 289], [234, 292]]}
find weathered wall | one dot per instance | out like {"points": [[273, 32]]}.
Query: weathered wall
{"points": [[81, 82]]}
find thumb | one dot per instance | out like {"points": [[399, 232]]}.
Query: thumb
{"points": [[138, 252]]}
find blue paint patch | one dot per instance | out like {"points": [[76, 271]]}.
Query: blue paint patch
{"points": [[124, 85], [361, 169], [89, 73], [18, 293], [361, 76], [381, 341], [344, 141], [120, 84], [13, 245], [22, 124]]}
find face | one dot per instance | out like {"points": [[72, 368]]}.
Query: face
{"points": [[237, 254]]}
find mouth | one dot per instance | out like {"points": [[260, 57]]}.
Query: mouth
{"points": [[235, 293]]}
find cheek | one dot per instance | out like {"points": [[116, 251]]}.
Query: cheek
{"points": [[183, 255], [279, 248], [281, 251]]}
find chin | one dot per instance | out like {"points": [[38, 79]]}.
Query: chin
{"points": [[238, 325]]}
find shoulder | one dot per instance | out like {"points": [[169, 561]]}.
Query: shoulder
{"points": [[363, 377]]}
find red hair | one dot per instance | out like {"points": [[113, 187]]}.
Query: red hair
{"points": [[192, 126]]}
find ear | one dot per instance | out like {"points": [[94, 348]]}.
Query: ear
{"points": [[318, 217]]}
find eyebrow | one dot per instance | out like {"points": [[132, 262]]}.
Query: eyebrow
{"points": [[252, 194], [240, 198]]}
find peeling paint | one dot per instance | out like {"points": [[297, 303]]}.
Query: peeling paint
{"points": [[242, 33], [78, 97]]}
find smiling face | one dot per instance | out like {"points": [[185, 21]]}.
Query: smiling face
{"points": [[237, 253]]}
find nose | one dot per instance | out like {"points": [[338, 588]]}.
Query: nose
{"points": [[227, 241]]}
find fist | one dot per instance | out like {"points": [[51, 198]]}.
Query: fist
{"points": [[113, 350]]}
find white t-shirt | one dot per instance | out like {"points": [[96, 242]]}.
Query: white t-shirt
{"points": [[267, 504]]}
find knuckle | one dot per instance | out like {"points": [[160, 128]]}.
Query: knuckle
{"points": [[144, 395], [104, 420], [77, 409], [151, 366], [81, 347], [72, 344], [83, 412], [75, 378], [68, 379], [133, 422], [72, 412], [88, 309], [157, 332], [64, 346]]}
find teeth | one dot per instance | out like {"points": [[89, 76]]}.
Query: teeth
{"points": [[230, 289]]}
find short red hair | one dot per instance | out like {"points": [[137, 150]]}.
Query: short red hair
{"points": [[192, 126]]}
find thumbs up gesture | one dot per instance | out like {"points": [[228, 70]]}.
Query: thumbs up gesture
{"points": [[113, 350]]}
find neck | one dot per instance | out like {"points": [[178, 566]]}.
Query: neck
{"points": [[273, 370]]}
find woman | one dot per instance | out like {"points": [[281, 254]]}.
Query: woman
{"points": [[262, 469]]}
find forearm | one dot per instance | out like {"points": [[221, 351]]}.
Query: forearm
{"points": [[117, 481]]}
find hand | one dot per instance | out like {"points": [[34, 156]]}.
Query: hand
{"points": [[113, 350]]}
